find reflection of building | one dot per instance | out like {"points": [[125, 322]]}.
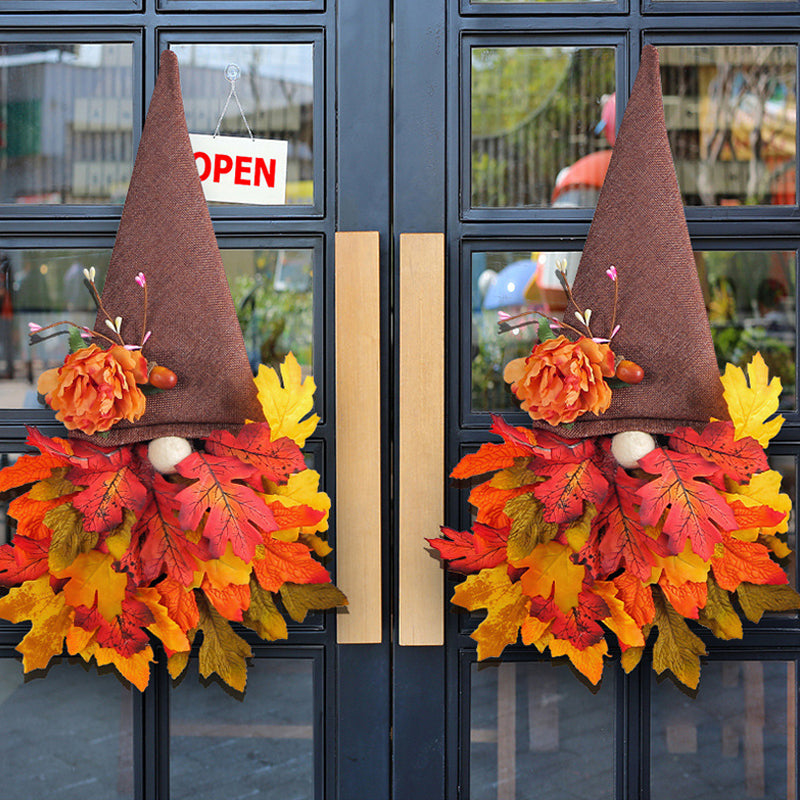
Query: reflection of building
{"points": [[66, 120]]}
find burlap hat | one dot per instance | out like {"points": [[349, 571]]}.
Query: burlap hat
{"points": [[640, 228], [166, 233]]}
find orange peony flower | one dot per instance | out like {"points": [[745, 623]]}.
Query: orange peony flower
{"points": [[96, 388], [560, 379]]}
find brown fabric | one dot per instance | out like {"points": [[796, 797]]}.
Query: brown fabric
{"points": [[166, 233], [640, 228]]}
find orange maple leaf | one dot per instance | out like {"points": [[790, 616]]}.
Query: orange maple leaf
{"points": [[29, 469], [736, 562], [287, 562], [687, 599], [94, 581], [549, 568], [637, 597]]}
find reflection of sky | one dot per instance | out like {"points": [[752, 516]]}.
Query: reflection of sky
{"points": [[286, 61]]}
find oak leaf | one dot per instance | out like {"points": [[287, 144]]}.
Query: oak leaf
{"points": [[236, 514], [695, 511], [755, 599], [471, 551], [505, 603], [50, 616], [298, 599], [222, 651], [263, 615], [676, 649], [285, 406], [753, 400]]}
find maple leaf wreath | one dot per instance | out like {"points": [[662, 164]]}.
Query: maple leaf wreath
{"points": [[181, 503], [640, 497]]}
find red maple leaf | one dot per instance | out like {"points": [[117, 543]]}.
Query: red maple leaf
{"points": [[522, 438], [567, 487], [472, 551], [580, 626], [696, 510], [739, 459], [236, 514], [558, 449], [275, 460], [162, 544], [23, 560], [108, 491], [287, 562], [618, 537], [125, 633]]}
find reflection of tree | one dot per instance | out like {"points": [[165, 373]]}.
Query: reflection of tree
{"points": [[745, 119], [533, 113]]}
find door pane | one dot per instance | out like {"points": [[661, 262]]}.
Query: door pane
{"points": [[533, 724], [730, 114], [534, 125], [276, 92], [66, 737], [66, 122], [262, 745], [734, 741], [750, 296]]}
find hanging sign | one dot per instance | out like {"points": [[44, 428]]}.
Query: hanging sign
{"points": [[235, 169]]}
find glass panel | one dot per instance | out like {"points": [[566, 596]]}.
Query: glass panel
{"points": [[272, 291], [534, 724], [787, 466], [276, 91], [260, 746], [66, 122], [735, 740], [730, 114], [536, 114], [751, 298], [68, 736]]}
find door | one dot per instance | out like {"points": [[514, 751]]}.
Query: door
{"points": [[453, 130]]}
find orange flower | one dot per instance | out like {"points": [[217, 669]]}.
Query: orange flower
{"points": [[96, 388], [560, 379]]}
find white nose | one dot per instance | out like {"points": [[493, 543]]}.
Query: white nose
{"points": [[629, 446], [166, 452]]}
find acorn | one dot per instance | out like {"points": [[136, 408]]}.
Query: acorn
{"points": [[162, 377], [629, 372]]}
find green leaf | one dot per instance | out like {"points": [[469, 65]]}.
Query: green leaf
{"points": [[755, 599], [300, 598], [528, 526], [76, 341], [545, 331]]}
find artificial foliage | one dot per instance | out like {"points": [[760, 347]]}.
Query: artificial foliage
{"points": [[108, 553], [569, 548]]}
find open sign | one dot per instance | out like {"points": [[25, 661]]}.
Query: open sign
{"points": [[234, 169]]}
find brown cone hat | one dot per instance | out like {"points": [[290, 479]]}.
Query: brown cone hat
{"points": [[166, 233], [640, 228]]}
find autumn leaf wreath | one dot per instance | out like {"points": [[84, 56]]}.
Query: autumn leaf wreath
{"points": [[573, 540], [109, 553]]}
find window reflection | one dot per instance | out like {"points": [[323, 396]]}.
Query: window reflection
{"points": [[66, 119], [750, 296], [731, 118], [533, 724], [538, 137], [734, 740], [276, 91]]}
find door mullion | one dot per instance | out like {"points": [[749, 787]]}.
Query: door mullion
{"points": [[151, 735]]}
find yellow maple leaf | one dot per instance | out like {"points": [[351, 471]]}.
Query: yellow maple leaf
{"points": [[551, 564], [507, 608], [134, 668], [763, 489], [686, 566], [93, 577], [302, 488], [223, 571], [588, 662], [752, 400], [619, 620], [535, 632], [51, 618], [170, 633], [286, 405]]}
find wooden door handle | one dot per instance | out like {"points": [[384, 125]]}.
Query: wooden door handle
{"points": [[358, 436], [421, 436]]}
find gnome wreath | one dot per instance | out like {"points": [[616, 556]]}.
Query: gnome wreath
{"points": [[182, 501], [640, 496]]}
